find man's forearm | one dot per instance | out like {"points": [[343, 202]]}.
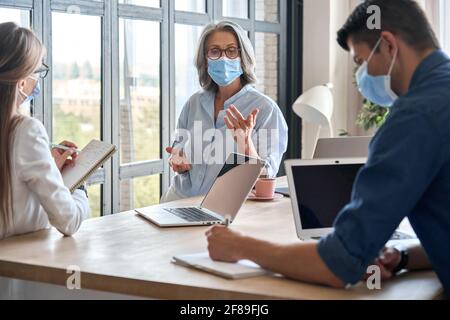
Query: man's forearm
{"points": [[297, 261]]}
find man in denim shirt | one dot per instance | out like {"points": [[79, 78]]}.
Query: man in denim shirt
{"points": [[408, 170]]}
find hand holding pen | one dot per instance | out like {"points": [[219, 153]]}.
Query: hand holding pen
{"points": [[224, 243], [65, 154]]}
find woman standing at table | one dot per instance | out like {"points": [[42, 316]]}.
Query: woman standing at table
{"points": [[227, 107], [32, 192]]}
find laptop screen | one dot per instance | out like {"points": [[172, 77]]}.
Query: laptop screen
{"points": [[232, 185], [322, 192]]}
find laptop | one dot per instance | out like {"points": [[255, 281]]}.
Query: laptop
{"points": [[343, 147], [337, 148], [221, 205], [320, 189]]}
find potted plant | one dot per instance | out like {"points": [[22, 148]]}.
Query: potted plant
{"points": [[372, 116]]}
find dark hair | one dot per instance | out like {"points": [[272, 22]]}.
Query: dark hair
{"points": [[404, 18]]}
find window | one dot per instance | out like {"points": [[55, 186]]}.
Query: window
{"points": [[235, 8], [445, 25], [76, 86], [191, 5], [267, 63], [267, 10], [144, 3], [131, 84], [186, 37], [21, 17], [140, 106]]}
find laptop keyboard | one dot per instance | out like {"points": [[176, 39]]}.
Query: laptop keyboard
{"points": [[398, 235], [192, 214]]}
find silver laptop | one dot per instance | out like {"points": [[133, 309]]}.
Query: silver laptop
{"points": [[224, 200], [336, 148], [319, 190], [343, 147]]}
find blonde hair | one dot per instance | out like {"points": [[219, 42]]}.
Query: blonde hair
{"points": [[21, 54], [248, 59]]}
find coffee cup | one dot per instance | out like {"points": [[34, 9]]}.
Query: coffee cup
{"points": [[265, 188]]}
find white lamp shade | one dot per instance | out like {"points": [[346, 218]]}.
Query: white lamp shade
{"points": [[316, 106]]}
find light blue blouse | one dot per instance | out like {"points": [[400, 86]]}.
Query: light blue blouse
{"points": [[207, 143]]}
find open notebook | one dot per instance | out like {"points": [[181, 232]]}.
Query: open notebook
{"points": [[92, 157], [202, 261]]}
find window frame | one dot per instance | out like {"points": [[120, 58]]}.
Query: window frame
{"points": [[445, 24], [110, 12]]}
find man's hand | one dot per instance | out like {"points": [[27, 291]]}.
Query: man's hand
{"points": [[387, 262], [178, 161], [224, 244], [65, 158]]}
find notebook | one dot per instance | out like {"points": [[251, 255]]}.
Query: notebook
{"points": [[202, 261], [92, 157]]}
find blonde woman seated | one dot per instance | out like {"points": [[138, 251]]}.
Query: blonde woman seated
{"points": [[32, 192], [228, 115]]}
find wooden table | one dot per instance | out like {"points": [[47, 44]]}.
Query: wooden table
{"points": [[125, 254]]}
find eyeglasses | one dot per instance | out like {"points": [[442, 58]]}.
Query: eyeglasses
{"points": [[43, 71], [216, 53]]}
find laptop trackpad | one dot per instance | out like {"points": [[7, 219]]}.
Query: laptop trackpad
{"points": [[163, 217]]}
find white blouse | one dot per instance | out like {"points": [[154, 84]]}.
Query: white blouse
{"points": [[40, 198]]}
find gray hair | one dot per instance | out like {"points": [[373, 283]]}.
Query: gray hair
{"points": [[248, 59]]}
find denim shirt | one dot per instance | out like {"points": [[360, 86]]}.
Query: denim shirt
{"points": [[407, 175], [209, 142]]}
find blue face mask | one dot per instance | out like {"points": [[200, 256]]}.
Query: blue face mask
{"points": [[376, 89], [224, 71], [36, 92]]}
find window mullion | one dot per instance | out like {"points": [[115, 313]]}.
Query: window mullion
{"points": [[115, 105], [106, 127], [47, 116], [37, 25], [167, 98]]}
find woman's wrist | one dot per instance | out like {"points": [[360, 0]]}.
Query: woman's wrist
{"points": [[84, 189], [248, 149]]}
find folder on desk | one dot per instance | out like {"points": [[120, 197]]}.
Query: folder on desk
{"points": [[201, 261], [91, 158]]}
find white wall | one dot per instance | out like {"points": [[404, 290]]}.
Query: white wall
{"points": [[324, 61]]}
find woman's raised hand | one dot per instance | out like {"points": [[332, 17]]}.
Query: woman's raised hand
{"points": [[242, 127]]}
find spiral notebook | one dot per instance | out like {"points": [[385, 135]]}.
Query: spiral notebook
{"points": [[91, 158], [240, 270]]}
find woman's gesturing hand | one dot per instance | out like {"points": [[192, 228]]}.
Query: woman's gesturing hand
{"points": [[65, 158], [178, 161], [241, 127]]}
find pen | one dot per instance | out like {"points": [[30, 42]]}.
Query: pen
{"points": [[58, 146]]}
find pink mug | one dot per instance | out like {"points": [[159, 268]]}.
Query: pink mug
{"points": [[265, 188]]}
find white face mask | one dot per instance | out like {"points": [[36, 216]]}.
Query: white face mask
{"points": [[376, 89]]}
